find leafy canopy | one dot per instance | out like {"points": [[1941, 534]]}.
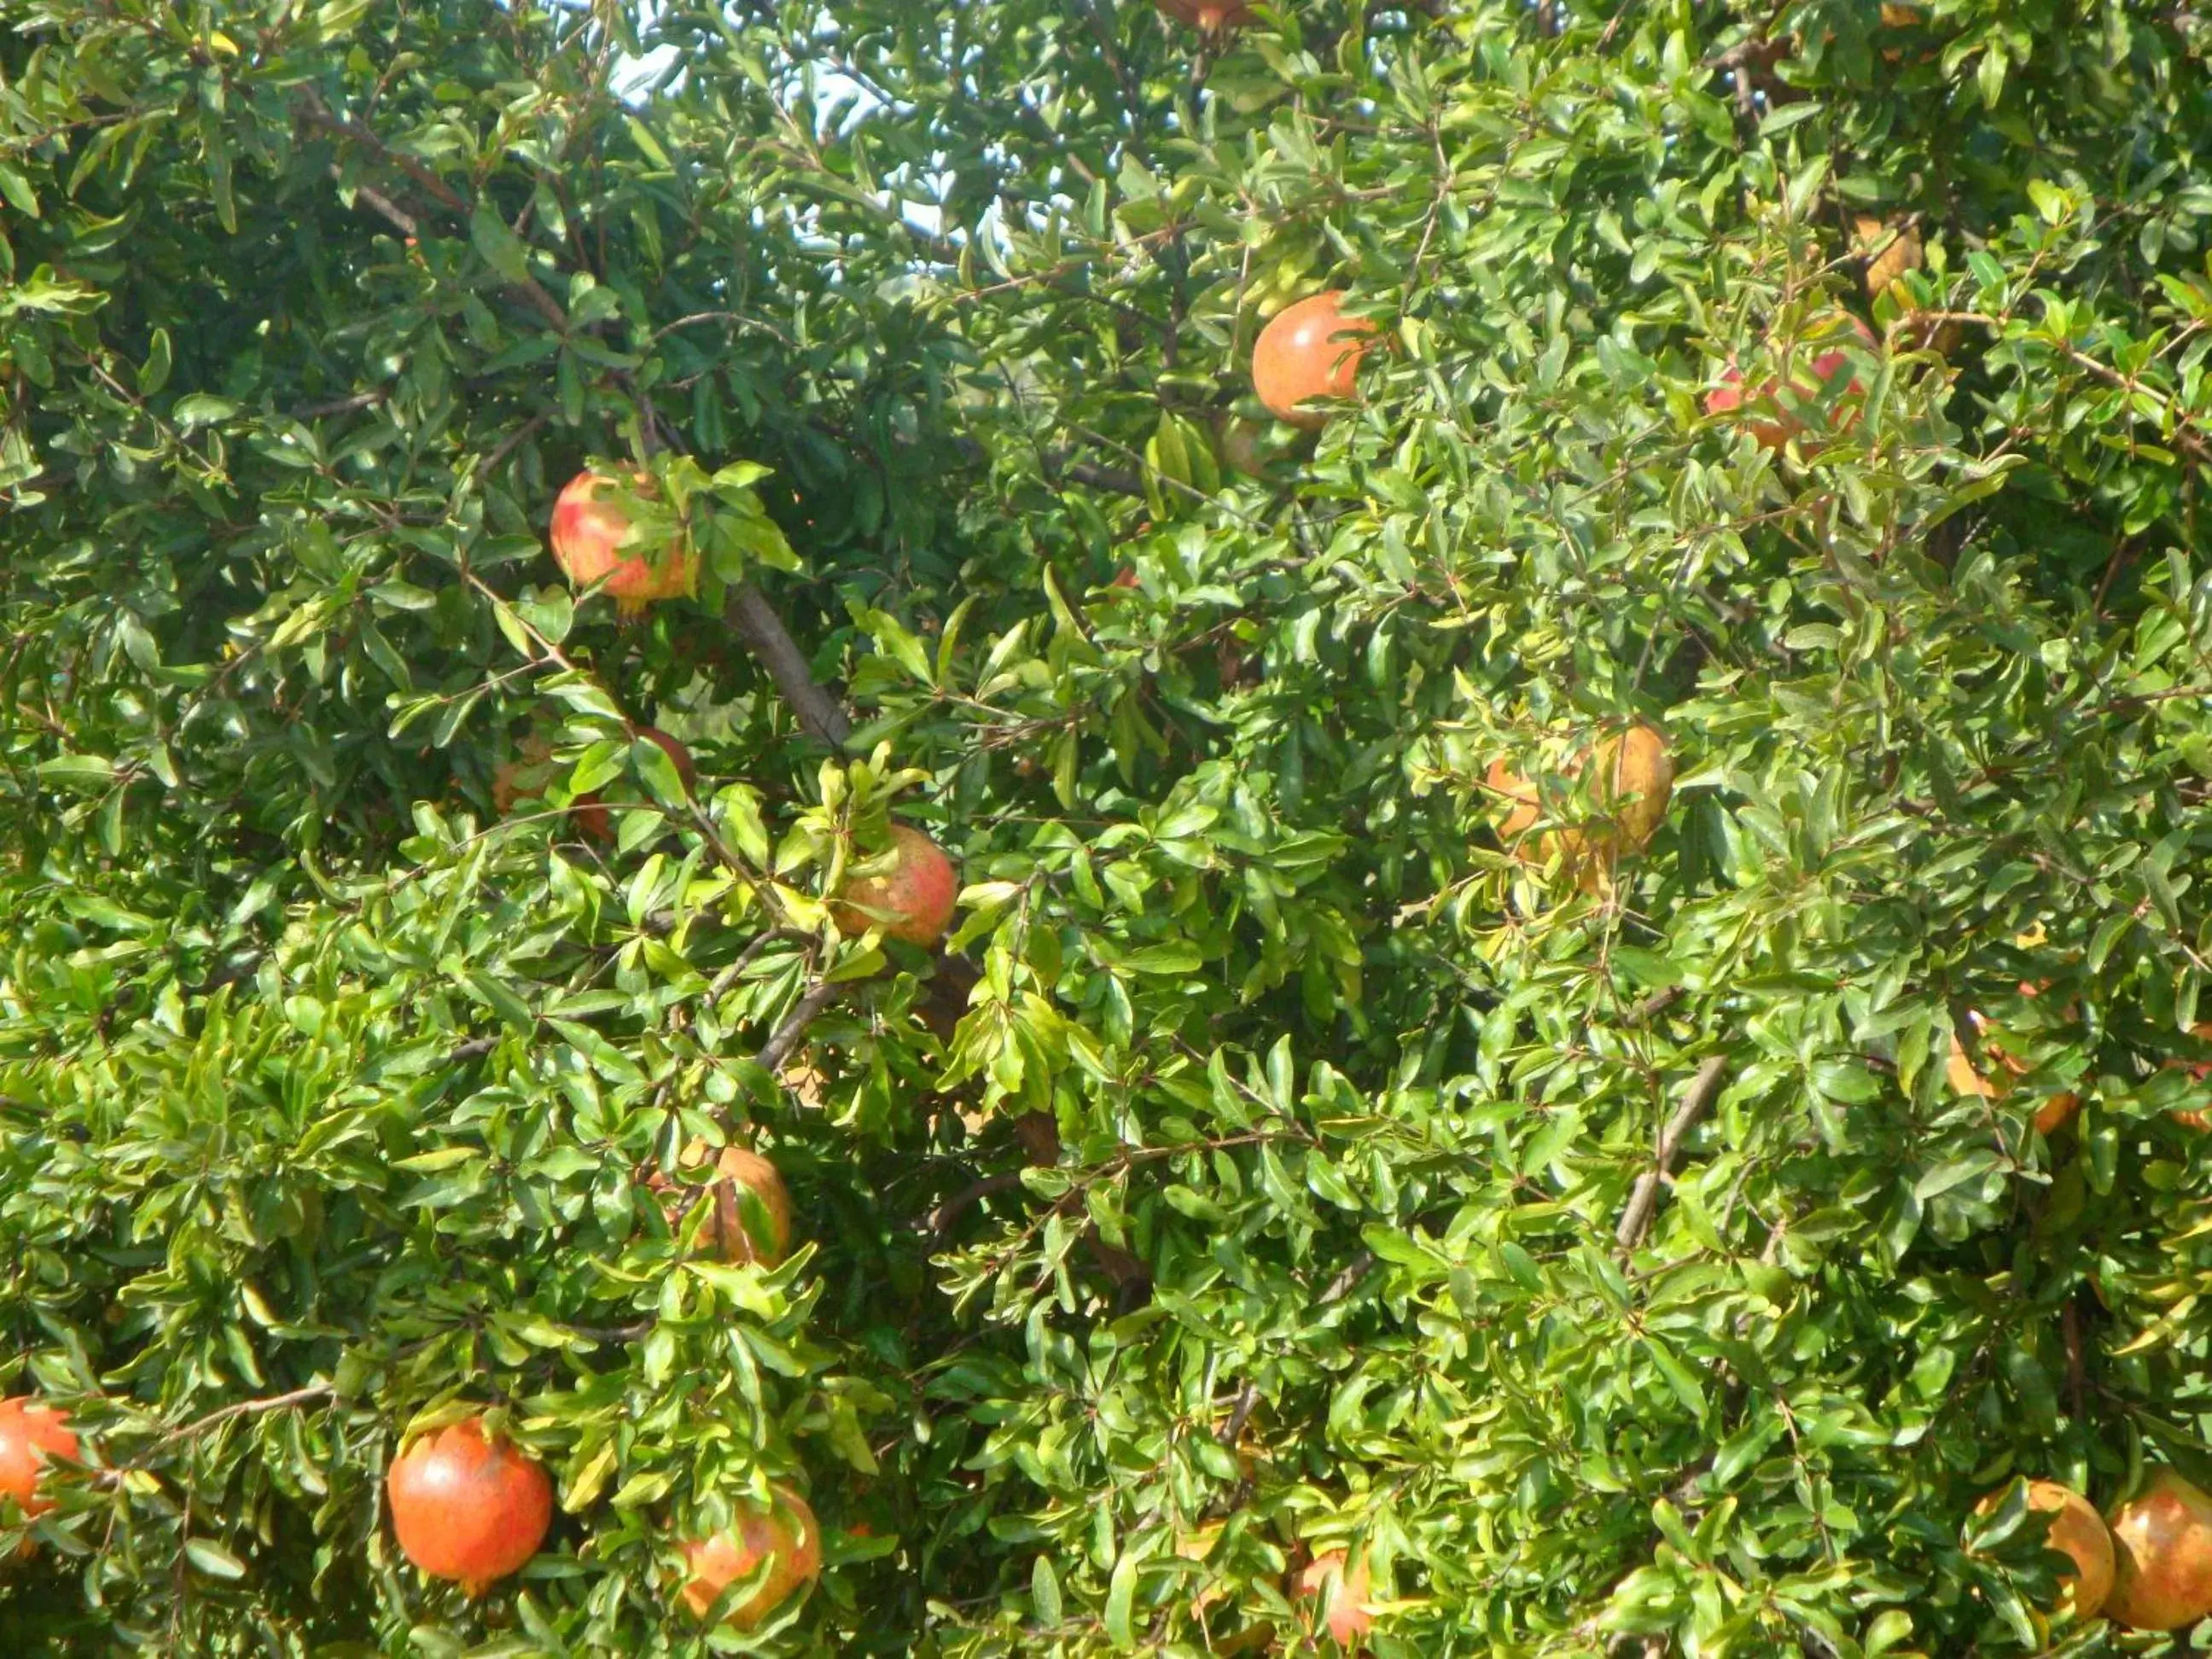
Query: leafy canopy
{"points": [[1272, 1162]]}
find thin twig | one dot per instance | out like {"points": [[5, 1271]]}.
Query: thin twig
{"points": [[193, 1430], [1240, 1414], [1340, 1286], [939, 1222], [1643, 1202], [316, 113], [1653, 1005]]}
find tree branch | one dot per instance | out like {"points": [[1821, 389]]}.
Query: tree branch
{"points": [[1058, 464], [753, 620], [778, 1048], [1643, 1202], [193, 1430], [1340, 1286], [939, 1222], [316, 113]]}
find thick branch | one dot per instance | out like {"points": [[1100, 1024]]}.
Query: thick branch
{"points": [[1643, 1202], [754, 621]]}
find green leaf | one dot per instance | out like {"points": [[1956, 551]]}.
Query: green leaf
{"points": [[1044, 1592], [500, 248], [212, 1560]]}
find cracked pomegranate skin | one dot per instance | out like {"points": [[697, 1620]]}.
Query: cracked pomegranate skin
{"points": [[914, 902], [2162, 1551], [31, 1436], [1309, 349], [789, 1533], [468, 1508]]}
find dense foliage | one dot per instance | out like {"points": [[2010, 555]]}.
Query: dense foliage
{"points": [[1269, 1164]]}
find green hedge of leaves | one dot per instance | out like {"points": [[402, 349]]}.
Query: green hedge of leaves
{"points": [[1247, 1177]]}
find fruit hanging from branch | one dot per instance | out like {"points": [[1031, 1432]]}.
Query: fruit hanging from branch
{"points": [[2076, 1531], [2162, 1551], [590, 815], [32, 1434], [751, 1218], [526, 777], [788, 1538], [589, 536], [1811, 366], [1888, 251], [1213, 16], [1994, 1082], [1309, 349], [912, 901], [1338, 1597], [1630, 786], [468, 1505]]}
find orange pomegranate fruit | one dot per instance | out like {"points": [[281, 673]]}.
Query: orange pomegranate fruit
{"points": [[1309, 349], [2199, 1070], [31, 1436], [590, 813], [1635, 779], [788, 1538], [468, 1506], [1339, 1597], [1810, 365], [588, 535], [2054, 1115], [1210, 15], [752, 1215], [1887, 250], [2076, 1530], [2162, 1552], [913, 901]]}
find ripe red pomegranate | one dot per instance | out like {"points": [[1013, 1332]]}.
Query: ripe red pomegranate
{"points": [[590, 813], [1810, 364], [913, 903], [467, 1507], [31, 1436], [588, 535], [1210, 15], [787, 1537], [2162, 1551], [1309, 349]]}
